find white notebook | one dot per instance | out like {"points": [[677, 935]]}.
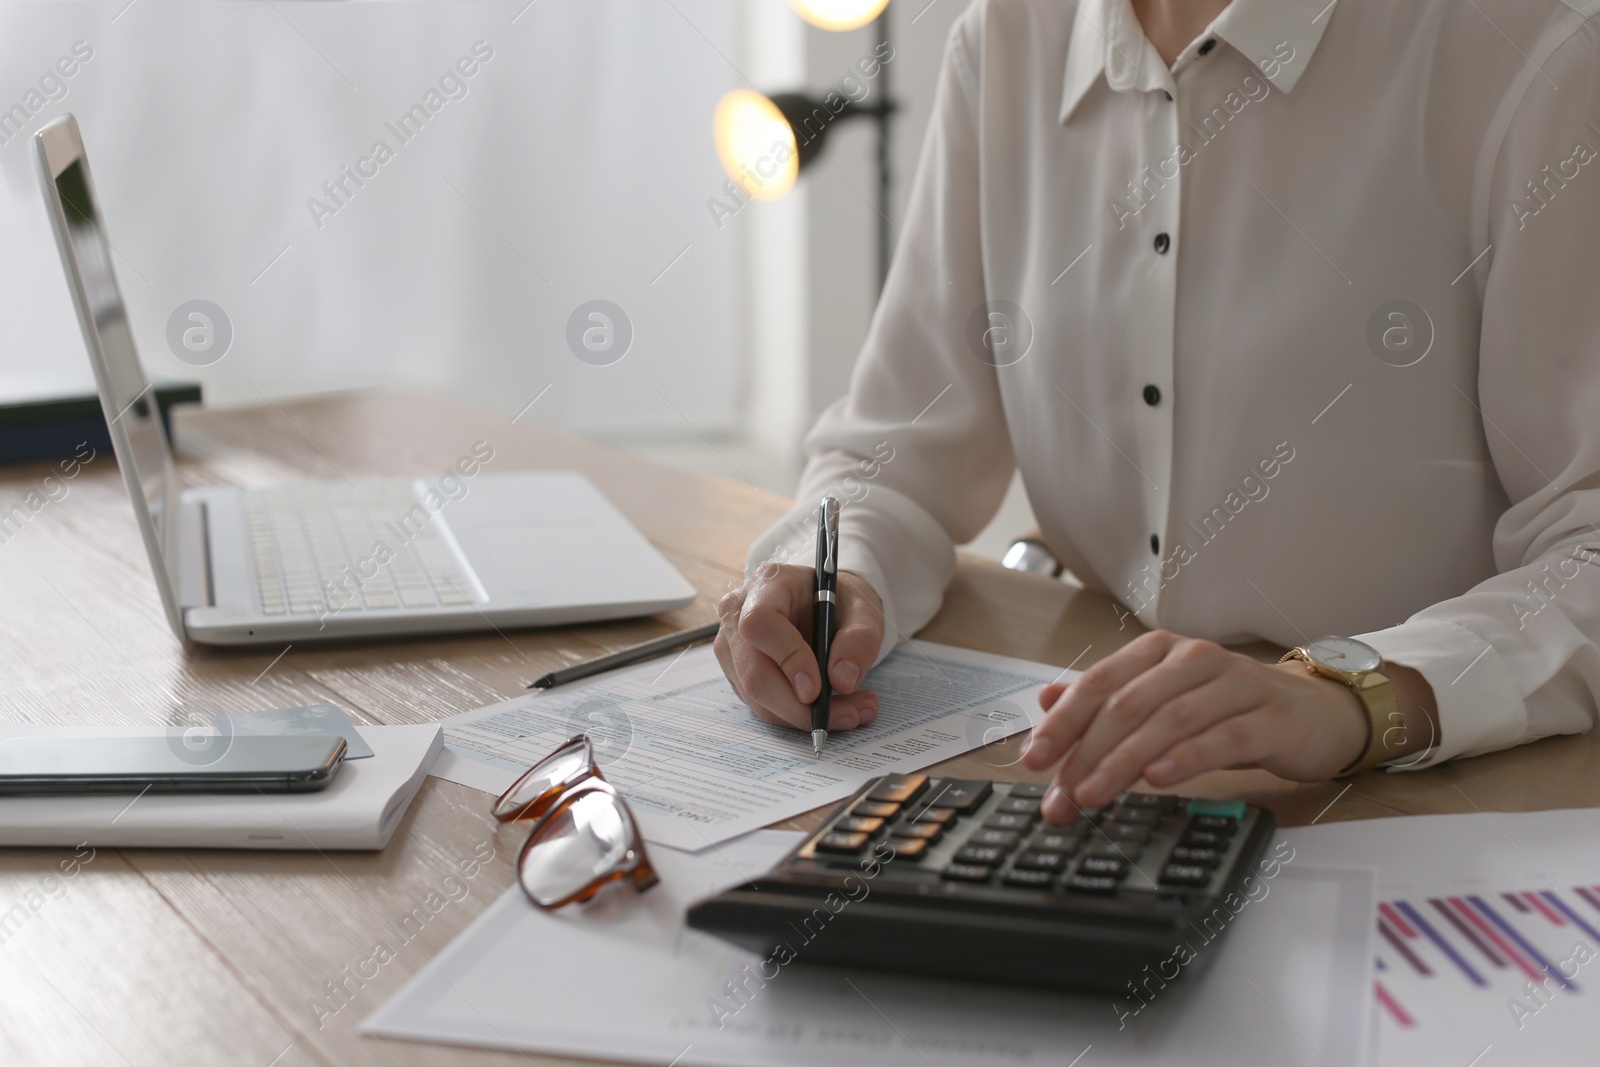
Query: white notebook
{"points": [[358, 810]]}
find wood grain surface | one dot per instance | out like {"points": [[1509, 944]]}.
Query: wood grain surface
{"points": [[209, 957]]}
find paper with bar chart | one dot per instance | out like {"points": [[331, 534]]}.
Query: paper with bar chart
{"points": [[1488, 948]]}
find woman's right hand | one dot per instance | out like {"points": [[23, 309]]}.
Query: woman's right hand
{"points": [[764, 647]]}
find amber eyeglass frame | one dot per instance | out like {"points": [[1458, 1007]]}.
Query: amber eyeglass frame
{"points": [[540, 810]]}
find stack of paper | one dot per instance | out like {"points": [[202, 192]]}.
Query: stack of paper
{"points": [[1286, 986]]}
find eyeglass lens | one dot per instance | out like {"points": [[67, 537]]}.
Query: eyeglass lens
{"points": [[585, 840], [521, 801]]}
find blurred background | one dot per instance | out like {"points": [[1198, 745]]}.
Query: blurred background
{"points": [[576, 162]]}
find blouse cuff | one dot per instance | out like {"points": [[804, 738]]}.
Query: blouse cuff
{"points": [[1480, 709], [856, 558]]}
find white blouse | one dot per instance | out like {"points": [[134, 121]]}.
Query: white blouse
{"points": [[1299, 337]]}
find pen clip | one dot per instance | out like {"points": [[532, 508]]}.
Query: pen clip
{"points": [[828, 535]]}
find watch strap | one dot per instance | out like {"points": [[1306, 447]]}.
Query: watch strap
{"points": [[1377, 695]]}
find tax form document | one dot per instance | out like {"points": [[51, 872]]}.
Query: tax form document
{"points": [[698, 768]]}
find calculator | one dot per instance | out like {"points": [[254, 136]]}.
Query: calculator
{"points": [[961, 878]]}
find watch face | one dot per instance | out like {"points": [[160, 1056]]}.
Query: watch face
{"points": [[1344, 654]]}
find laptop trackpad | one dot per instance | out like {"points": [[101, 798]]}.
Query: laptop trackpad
{"points": [[558, 563], [550, 539]]}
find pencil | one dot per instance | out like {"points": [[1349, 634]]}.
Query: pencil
{"points": [[669, 643]]}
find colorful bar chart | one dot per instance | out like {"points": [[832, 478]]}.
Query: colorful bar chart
{"points": [[1524, 949], [1486, 941]]}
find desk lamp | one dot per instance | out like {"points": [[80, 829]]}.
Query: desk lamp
{"points": [[748, 124]]}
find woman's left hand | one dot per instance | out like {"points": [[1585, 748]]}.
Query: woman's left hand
{"points": [[1167, 708]]}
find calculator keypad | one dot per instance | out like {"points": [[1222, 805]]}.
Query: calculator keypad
{"points": [[1003, 838], [991, 833], [1028, 878], [842, 842], [909, 847], [1037, 860], [961, 796], [926, 831], [898, 788], [969, 881], [875, 809]]}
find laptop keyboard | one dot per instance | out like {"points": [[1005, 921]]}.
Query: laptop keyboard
{"points": [[328, 549]]}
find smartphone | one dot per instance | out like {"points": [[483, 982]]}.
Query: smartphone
{"points": [[291, 763]]}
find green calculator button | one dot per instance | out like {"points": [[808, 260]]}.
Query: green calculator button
{"points": [[1228, 809]]}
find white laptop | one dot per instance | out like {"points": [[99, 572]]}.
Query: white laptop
{"points": [[459, 549]]}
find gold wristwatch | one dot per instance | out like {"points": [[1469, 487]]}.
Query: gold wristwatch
{"points": [[1359, 666]]}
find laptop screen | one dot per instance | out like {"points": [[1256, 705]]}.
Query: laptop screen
{"points": [[126, 392]]}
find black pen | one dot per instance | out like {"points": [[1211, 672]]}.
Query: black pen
{"points": [[824, 613], [669, 643]]}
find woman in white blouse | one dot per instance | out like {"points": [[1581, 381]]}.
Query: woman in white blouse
{"points": [[1281, 309]]}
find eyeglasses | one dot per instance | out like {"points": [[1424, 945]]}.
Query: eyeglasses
{"points": [[583, 836]]}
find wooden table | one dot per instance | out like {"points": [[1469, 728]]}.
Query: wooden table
{"points": [[209, 957]]}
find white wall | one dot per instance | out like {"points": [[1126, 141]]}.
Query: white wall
{"points": [[807, 282], [773, 286], [576, 166], [842, 236]]}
